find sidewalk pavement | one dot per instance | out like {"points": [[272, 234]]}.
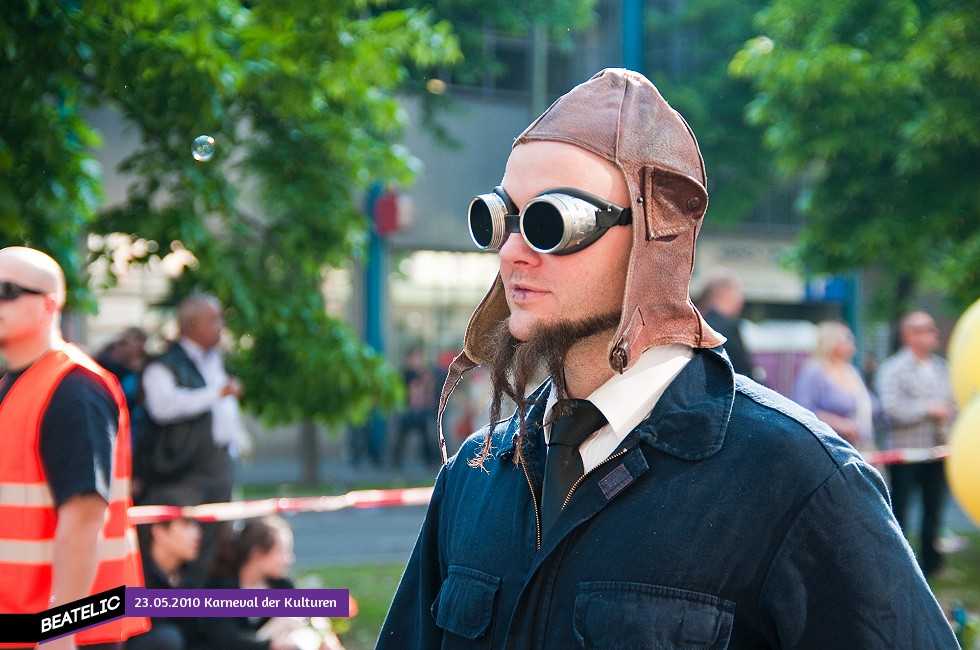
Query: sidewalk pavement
{"points": [[271, 471]]}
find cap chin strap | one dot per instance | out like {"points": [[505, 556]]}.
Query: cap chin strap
{"points": [[460, 365]]}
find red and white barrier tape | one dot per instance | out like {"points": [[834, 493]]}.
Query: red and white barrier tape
{"points": [[902, 456], [246, 509], [398, 497]]}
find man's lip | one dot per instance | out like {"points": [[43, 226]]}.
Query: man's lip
{"points": [[526, 288]]}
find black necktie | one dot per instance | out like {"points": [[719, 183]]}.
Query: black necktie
{"points": [[564, 464]]}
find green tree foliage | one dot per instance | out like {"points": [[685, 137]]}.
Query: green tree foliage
{"points": [[474, 20], [300, 99], [874, 104], [689, 47]]}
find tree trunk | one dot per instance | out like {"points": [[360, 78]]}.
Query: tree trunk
{"points": [[539, 68], [904, 290], [309, 453]]}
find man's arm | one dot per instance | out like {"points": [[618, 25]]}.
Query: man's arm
{"points": [[167, 402], [844, 576], [76, 552], [409, 623]]}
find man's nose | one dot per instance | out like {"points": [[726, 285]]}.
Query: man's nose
{"points": [[516, 251]]}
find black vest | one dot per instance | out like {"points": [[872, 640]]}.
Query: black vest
{"points": [[166, 453]]}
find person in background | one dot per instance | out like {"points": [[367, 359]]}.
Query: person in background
{"points": [[645, 495], [420, 386], [831, 387], [193, 426], [125, 357], [258, 557], [722, 302], [168, 547], [917, 401], [64, 460]]}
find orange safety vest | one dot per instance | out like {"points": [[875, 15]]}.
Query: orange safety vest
{"points": [[28, 516]]}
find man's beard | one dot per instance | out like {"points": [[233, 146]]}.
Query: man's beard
{"points": [[515, 363]]}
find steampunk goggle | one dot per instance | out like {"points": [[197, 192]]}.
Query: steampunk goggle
{"points": [[559, 221]]}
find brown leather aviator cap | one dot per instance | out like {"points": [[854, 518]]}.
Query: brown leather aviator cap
{"points": [[620, 115]]}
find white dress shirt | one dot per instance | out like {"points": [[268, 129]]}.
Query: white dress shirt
{"points": [[627, 399], [166, 402]]}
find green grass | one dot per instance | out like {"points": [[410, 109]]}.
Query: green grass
{"points": [[959, 584], [373, 586], [960, 580]]}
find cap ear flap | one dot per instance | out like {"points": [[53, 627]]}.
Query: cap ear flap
{"points": [[672, 202], [491, 311]]}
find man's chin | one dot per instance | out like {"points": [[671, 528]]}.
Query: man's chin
{"points": [[525, 329], [521, 327]]}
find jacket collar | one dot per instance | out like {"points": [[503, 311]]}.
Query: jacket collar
{"points": [[689, 420]]}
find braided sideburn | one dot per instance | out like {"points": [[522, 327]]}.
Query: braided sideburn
{"points": [[504, 346], [516, 363]]}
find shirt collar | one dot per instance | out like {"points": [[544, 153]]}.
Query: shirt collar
{"points": [[626, 399], [689, 420], [194, 350]]}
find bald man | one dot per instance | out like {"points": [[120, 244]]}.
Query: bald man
{"points": [[193, 427], [917, 400], [64, 459]]}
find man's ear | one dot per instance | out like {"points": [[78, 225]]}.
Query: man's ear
{"points": [[158, 528], [53, 305]]}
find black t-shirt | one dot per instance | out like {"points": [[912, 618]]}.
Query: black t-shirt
{"points": [[78, 431]]}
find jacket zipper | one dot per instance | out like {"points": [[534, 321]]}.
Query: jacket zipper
{"points": [[582, 477], [534, 498]]}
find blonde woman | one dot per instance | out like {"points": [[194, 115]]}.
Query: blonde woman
{"points": [[831, 387]]}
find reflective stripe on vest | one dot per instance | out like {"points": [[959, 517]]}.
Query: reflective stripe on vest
{"points": [[27, 552], [27, 510]]}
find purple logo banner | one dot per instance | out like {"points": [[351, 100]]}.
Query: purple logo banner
{"points": [[234, 603]]}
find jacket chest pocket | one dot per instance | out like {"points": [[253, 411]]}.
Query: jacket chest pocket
{"points": [[465, 603], [635, 616]]}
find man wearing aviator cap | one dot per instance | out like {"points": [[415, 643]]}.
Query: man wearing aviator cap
{"points": [[645, 495]]}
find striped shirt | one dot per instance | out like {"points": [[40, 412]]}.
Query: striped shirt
{"points": [[907, 387]]}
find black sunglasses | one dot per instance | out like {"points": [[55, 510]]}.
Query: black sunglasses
{"points": [[560, 221], [10, 291]]}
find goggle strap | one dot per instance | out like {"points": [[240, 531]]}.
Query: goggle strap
{"points": [[610, 218]]}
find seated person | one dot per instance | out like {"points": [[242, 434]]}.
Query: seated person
{"points": [[167, 547], [258, 557]]}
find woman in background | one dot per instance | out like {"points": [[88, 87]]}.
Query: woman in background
{"points": [[831, 387], [258, 557]]}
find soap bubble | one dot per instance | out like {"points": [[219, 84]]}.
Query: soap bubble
{"points": [[436, 86], [203, 148]]}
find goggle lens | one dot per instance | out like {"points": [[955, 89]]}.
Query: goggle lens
{"points": [[543, 226], [482, 221]]}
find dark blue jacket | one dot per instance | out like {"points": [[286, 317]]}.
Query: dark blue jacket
{"points": [[730, 518]]}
